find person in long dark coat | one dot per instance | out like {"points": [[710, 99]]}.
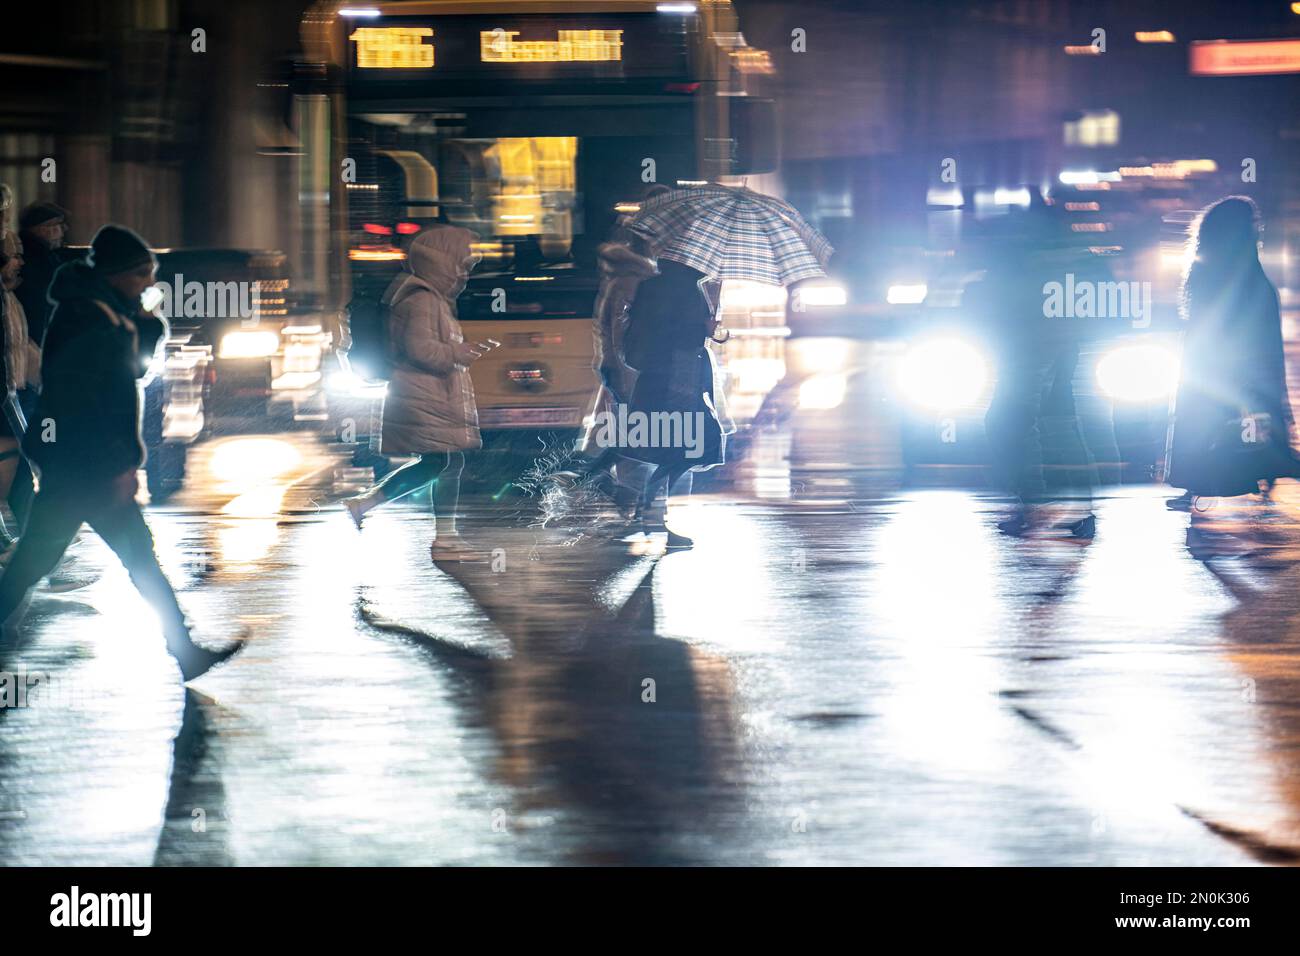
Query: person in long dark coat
{"points": [[668, 323], [1232, 414]]}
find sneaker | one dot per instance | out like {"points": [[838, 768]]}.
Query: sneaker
{"points": [[195, 661], [1183, 502]]}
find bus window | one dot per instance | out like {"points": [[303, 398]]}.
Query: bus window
{"points": [[530, 183], [508, 189]]}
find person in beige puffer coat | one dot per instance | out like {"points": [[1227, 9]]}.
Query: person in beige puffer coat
{"points": [[430, 409]]}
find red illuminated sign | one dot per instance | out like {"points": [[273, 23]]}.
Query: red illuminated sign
{"points": [[1243, 57]]}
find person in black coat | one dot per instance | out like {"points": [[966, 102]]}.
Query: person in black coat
{"points": [[1232, 414], [84, 437], [668, 324], [42, 228]]}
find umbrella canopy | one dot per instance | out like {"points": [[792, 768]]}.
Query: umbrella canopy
{"points": [[730, 232]]}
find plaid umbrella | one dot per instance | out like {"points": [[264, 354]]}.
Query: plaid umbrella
{"points": [[730, 232]]}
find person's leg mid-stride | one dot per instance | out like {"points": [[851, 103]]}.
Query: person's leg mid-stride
{"points": [[58, 512], [83, 437], [442, 470]]}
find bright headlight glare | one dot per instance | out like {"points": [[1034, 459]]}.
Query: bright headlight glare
{"points": [[1138, 373], [815, 296], [823, 392], [743, 295], [350, 383], [248, 460], [942, 374], [907, 293], [249, 343]]}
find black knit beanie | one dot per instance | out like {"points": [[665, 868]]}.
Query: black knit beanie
{"points": [[116, 249]]}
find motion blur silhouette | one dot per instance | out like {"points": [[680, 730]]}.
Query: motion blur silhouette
{"points": [[1232, 414]]}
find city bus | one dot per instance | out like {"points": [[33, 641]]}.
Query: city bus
{"points": [[536, 125]]}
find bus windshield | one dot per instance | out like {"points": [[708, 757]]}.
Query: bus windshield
{"points": [[533, 200]]}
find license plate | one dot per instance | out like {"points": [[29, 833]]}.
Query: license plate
{"points": [[529, 417]]}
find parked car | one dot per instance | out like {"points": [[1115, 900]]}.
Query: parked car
{"points": [[266, 351]]}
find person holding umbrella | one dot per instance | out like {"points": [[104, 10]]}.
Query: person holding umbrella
{"points": [[700, 237], [668, 326]]}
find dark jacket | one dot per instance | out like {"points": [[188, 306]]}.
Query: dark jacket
{"points": [[39, 263], [86, 426]]}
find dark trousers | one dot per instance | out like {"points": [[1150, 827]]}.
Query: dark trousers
{"points": [[57, 513], [1032, 420]]}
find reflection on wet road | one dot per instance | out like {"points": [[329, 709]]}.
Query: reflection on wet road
{"points": [[882, 681]]}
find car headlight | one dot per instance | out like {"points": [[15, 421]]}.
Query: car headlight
{"points": [[1138, 373], [249, 343], [943, 374]]}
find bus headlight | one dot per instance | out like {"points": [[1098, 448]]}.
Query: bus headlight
{"points": [[943, 374], [1138, 373], [248, 343]]}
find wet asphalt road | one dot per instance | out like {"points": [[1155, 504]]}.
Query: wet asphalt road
{"points": [[876, 679]]}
